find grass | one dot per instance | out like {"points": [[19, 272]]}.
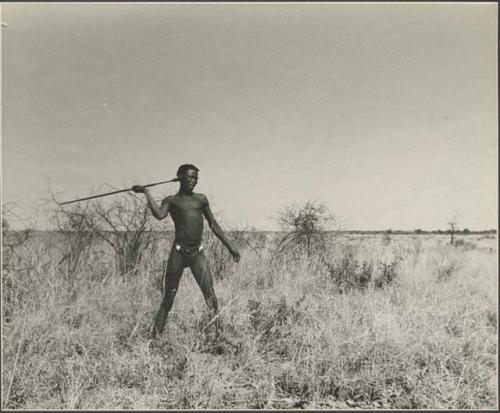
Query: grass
{"points": [[290, 339]]}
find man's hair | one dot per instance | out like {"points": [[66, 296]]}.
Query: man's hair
{"points": [[184, 168]]}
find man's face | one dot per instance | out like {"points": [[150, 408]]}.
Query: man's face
{"points": [[190, 179]]}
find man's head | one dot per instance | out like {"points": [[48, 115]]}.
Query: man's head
{"points": [[188, 176], [183, 169]]}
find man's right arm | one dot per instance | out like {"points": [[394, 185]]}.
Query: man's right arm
{"points": [[159, 212]]}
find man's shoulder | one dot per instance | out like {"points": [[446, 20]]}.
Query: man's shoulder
{"points": [[171, 198], [201, 197]]}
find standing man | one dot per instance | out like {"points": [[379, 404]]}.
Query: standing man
{"points": [[187, 210]]}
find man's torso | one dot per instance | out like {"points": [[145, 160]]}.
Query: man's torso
{"points": [[187, 214]]}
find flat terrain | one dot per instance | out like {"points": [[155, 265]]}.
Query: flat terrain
{"points": [[380, 321]]}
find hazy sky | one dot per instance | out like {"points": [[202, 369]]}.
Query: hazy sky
{"points": [[387, 113]]}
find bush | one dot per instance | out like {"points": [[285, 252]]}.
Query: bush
{"points": [[467, 245], [77, 226], [350, 274], [445, 271], [123, 223], [306, 227], [387, 274], [13, 241]]}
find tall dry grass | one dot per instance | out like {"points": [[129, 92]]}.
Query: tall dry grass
{"points": [[291, 338]]}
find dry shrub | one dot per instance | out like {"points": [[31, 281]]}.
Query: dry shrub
{"points": [[466, 245], [387, 274], [350, 274], [76, 225], [305, 227], [124, 224], [446, 265], [13, 241]]}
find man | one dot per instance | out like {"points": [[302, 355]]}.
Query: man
{"points": [[187, 210]]}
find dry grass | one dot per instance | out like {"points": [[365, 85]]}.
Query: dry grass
{"points": [[290, 338]]}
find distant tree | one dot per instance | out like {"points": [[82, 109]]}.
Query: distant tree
{"points": [[453, 229], [418, 231], [387, 237], [466, 231]]}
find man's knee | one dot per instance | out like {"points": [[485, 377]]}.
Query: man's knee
{"points": [[169, 294], [171, 287]]}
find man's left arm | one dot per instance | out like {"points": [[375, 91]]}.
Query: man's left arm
{"points": [[217, 230]]}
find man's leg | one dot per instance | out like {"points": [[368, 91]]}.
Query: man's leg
{"points": [[170, 285], [203, 277]]}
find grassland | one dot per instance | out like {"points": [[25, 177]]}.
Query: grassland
{"points": [[294, 335]]}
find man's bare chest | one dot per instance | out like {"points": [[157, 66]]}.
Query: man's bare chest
{"points": [[187, 205]]}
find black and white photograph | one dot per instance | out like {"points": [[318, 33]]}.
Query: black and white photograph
{"points": [[249, 205]]}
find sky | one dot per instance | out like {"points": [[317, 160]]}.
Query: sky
{"points": [[384, 112]]}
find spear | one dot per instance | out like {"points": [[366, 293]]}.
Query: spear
{"points": [[116, 192]]}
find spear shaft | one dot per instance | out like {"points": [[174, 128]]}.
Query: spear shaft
{"points": [[117, 192]]}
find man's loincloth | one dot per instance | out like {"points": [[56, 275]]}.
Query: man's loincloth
{"points": [[187, 254]]}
